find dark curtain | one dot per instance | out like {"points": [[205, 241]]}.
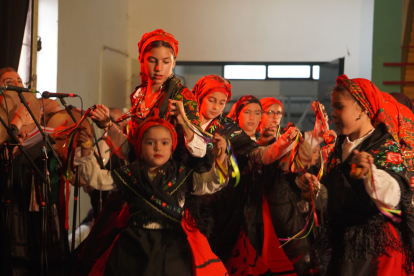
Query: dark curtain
{"points": [[12, 24]]}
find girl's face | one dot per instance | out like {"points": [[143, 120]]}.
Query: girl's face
{"points": [[158, 64], [249, 118], [315, 155], [156, 146], [11, 78], [271, 120], [212, 105], [345, 114]]}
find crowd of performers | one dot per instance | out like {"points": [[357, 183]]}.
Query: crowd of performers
{"points": [[177, 188]]}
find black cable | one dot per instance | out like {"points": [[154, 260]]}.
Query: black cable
{"points": [[81, 105], [7, 109]]}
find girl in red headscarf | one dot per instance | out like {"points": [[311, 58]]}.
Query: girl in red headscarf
{"points": [[369, 206], [282, 194], [227, 206], [159, 89], [157, 239]]}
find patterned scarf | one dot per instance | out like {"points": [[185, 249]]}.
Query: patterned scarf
{"points": [[382, 108]]}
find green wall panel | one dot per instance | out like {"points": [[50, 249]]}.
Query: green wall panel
{"points": [[387, 43]]}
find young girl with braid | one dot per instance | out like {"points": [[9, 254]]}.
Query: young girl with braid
{"points": [[370, 213]]}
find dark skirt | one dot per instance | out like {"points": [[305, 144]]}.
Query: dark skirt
{"points": [[390, 263], [139, 251], [287, 222]]}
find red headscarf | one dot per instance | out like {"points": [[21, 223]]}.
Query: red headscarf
{"points": [[150, 122], [266, 102], [157, 35], [382, 108], [209, 84], [240, 104]]}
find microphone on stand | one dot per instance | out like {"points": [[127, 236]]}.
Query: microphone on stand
{"points": [[17, 89], [47, 95]]}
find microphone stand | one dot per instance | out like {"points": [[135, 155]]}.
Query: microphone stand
{"points": [[47, 142], [38, 172], [22, 150], [45, 187], [97, 156], [77, 177]]}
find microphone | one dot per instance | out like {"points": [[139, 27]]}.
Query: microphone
{"points": [[47, 95], [18, 89]]}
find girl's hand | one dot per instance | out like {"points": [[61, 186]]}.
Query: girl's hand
{"points": [[329, 136], [306, 180], [219, 147], [84, 139], [174, 107], [304, 184], [100, 115], [292, 132], [174, 110], [360, 164]]}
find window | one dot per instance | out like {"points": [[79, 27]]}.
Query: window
{"points": [[252, 72], [315, 72], [289, 71]]}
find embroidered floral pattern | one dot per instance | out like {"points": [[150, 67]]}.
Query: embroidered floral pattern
{"points": [[389, 156], [395, 158], [190, 106], [188, 95]]}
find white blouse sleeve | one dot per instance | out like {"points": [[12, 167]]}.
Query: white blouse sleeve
{"points": [[117, 142], [197, 147], [386, 189], [91, 172], [208, 182]]}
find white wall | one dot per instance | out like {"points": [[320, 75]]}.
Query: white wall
{"points": [[266, 30], [84, 27]]}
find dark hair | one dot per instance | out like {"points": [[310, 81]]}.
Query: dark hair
{"points": [[6, 70], [156, 44]]}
